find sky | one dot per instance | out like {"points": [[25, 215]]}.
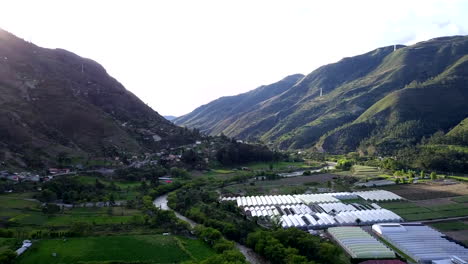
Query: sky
{"points": [[177, 55]]}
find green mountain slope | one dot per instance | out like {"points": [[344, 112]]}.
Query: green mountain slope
{"points": [[380, 100], [215, 116], [54, 101]]}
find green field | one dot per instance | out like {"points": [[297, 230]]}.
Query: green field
{"points": [[283, 165], [149, 248], [8, 243], [461, 199], [99, 216], [413, 212], [365, 171], [14, 209], [128, 190], [451, 226]]}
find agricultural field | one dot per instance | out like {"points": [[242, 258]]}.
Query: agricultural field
{"points": [[148, 248], [283, 165], [97, 216], [16, 210], [412, 211], [365, 172], [8, 243], [288, 185], [429, 190], [461, 199], [128, 190], [457, 230]]}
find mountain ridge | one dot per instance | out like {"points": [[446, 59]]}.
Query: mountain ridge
{"points": [[55, 101], [298, 118]]}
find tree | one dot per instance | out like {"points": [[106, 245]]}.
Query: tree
{"points": [[48, 196], [80, 228], [51, 209], [433, 176], [7, 256], [422, 174]]}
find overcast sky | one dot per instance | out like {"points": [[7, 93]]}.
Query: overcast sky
{"points": [[177, 55]]}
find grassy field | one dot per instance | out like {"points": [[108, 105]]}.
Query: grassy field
{"points": [[412, 212], [451, 226], [128, 190], [8, 243], [149, 248], [14, 209], [365, 171], [289, 185], [461, 199], [425, 191], [283, 165], [98, 216]]}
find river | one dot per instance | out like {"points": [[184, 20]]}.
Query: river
{"points": [[250, 255]]}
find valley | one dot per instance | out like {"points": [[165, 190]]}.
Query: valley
{"points": [[332, 167]]}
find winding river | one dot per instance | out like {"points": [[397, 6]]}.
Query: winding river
{"points": [[250, 255]]}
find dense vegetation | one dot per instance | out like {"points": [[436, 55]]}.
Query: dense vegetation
{"points": [[240, 153], [196, 201]]}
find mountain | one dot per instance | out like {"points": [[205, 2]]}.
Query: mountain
{"points": [[169, 117], [378, 101], [214, 117], [53, 101]]}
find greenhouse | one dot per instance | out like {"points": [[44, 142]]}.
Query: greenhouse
{"points": [[378, 195], [359, 244], [367, 217], [420, 242]]}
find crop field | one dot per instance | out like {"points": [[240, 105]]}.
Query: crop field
{"points": [[411, 211], [8, 243], [15, 209], [424, 191], [98, 216], [127, 189], [284, 165], [457, 230], [284, 185], [148, 248], [365, 171], [461, 199]]}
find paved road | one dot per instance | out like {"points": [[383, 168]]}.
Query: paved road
{"points": [[250, 255]]}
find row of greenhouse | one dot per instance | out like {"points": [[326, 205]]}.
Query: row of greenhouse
{"points": [[422, 243], [377, 195], [308, 221], [324, 220], [359, 244]]}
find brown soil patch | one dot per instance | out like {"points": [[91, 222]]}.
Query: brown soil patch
{"points": [[461, 235], [437, 201], [424, 191]]}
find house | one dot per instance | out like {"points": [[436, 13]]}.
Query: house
{"points": [[58, 171], [13, 177]]}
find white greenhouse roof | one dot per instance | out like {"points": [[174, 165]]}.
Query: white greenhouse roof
{"points": [[359, 244], [420, 242]]}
